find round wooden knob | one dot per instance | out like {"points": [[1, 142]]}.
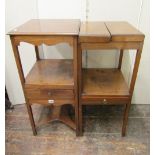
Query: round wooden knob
{"points": [[49, 93], [104, 101]]}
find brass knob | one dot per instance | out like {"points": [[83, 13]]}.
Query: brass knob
{"points": [[104, 101]]}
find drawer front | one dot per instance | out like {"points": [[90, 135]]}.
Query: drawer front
{"points": [[52, 101], [49, 94], [104, 101]]}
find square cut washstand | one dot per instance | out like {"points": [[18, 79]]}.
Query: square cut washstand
{"points": [[107, 86], [51, 83]]}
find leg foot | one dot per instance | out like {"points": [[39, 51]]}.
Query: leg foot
{"points": [[80, 121], [125, 118], [29, 109]]}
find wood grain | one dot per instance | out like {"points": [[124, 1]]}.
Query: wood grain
{"points": [[104, 82], [123, 31], [93, 32], [49, 93], [48, 27], [57, 101], [51, 74], [110, 45], [75, 72], [135, 69], [43, 39]]}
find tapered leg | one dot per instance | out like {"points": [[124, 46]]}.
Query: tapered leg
{"points": [[75, 61], [80, 120], [125, 118], [22, 79], [29, 109], [80, 89], [77, 120]]}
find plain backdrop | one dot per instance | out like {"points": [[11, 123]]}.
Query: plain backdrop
{"points": [[135, 12]]}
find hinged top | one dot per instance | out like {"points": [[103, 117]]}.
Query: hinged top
{"points": [[48, 27], [108, 31], [123, 31], [94, 32], [89, 31]]}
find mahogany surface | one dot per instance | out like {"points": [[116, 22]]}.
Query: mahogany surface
{"points": [[94, 32], [123, 31], [104, 82], [57, 73], [48, 27]]}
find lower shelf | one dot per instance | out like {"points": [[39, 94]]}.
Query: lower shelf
{"points": [[58, 113], [103, 83]]}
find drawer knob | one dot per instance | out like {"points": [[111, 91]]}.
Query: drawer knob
{"points": [[49, 93], [51, 101], [104, 101]]}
